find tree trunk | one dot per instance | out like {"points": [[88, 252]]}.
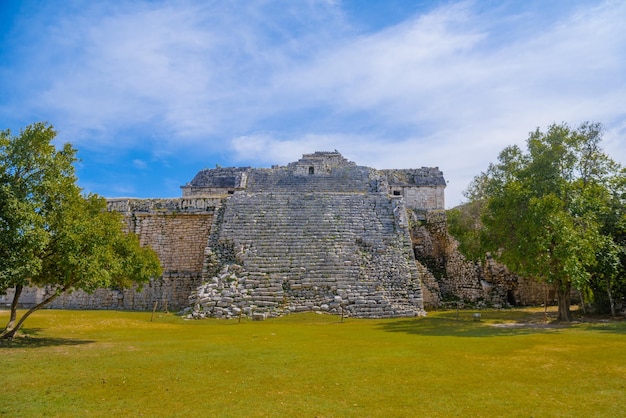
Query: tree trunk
{"points": [[14, 302], [563, 298], [9, 333], [611, 301]]}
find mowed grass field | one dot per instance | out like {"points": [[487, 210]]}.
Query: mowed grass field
{"points": [[120, 364]]}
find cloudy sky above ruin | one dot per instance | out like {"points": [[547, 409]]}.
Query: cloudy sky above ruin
{"points": [[150, 92]]}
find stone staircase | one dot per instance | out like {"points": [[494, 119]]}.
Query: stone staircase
{"points": [[323, 251]]}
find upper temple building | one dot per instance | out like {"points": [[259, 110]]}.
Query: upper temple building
{"points": [[421, 188]]}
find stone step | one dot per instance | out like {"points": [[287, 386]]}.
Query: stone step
{"points": [[317, 246]]}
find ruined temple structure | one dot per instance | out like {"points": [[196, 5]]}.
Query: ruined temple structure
{"points": [[325, 172], [320, 234]]}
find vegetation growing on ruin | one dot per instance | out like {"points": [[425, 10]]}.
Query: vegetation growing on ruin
{"points": [[512, 363]]}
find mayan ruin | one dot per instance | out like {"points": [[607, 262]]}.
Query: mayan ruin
{"points": [[320, 234]]}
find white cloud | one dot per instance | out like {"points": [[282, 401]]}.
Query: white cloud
{"points": [[438, 68], [140, 164], [464, 99], [186, 68]]}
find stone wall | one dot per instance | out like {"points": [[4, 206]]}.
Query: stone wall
{"points": [[191, 204], [424, 198], [177, 229], [349, 179], [422, 188], [179, 239]]}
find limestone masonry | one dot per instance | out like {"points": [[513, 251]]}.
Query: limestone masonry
{"points": [[320, 234]]}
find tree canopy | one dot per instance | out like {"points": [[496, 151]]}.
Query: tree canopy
{"points": [[53, 235], [554, 212]]}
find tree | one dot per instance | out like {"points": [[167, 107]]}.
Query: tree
{"points": [[51, 234], [539, 212]]}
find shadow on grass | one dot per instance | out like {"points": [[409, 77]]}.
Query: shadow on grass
{"points": [[444, 327], [29, 340], [613, 327]]}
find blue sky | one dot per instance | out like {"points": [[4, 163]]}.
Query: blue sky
{"points": [[150, 92]]}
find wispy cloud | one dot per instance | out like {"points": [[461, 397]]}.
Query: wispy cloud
{"points": [[262, 82], [188, 69], [140, 164], [446, 92]]}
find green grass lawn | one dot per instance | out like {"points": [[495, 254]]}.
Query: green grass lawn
{"points": [[110, 364]]}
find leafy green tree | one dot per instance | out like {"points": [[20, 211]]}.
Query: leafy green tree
{"points": [[50, 234], [539, 212]]}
